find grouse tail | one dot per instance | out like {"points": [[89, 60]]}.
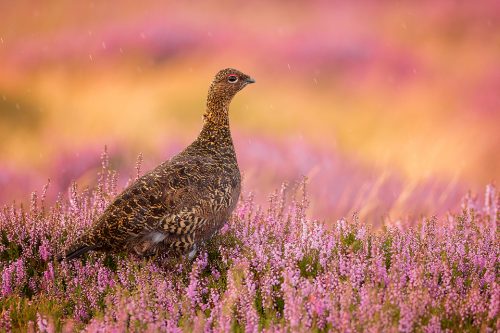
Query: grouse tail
{"points": [[78, 252]]}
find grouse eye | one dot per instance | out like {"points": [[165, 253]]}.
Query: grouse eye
{"points": [[232, 78]]}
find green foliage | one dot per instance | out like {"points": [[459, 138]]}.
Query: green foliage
{"points": [[22, 311], [12, 250], [387, 249], [351, 243], [458, 323], [111, 262], [237, 327], [309, 264]]}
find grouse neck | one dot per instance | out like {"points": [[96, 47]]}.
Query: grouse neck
{"points": [[216, 118], [216, 127], [217, 111], [215, 132]]}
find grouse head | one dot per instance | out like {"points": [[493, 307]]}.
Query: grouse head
{"points": [[228, 82]]}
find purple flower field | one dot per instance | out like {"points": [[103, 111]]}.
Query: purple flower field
{"points": [[270, 269], [364, 146]]}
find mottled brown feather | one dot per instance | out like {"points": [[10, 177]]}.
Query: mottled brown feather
{"points": [[183, 201]]}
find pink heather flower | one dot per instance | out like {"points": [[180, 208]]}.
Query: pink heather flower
{"points": [[361, 233], [48, 275], [293, 303], [247, 303], [7, 281], [319, 309], [406, 318], [449, 263], [343, 265], [104, 279], [366, 308], [434, 325], [192, 290], [224, 229], [44, 250], [215, 273], [44, 325], [5, 321], [80, 312], [379, 270], [356, 272], [20, 271], [494, 306]]}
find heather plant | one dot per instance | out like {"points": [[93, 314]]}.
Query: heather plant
{"points": [[271, 269]]}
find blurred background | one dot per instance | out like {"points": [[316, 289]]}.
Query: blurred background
{"points": [[391, 109]]}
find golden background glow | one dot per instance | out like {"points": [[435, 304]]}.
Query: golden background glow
{"points": [[408, 88]]}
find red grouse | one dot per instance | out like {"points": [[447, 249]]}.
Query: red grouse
{"points": [[186, 199]]}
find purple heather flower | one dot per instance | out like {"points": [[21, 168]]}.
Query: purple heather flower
{"points": [[44, 250], [300, 274]]}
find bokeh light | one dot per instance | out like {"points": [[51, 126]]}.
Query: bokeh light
{"points": [[389, 108]]}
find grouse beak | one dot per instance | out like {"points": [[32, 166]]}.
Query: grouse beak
{"points": [[249, 80]]}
